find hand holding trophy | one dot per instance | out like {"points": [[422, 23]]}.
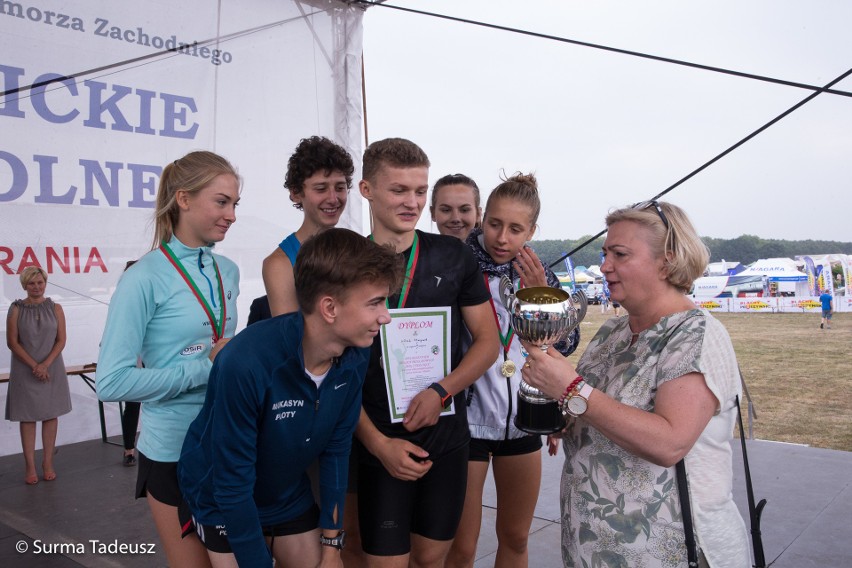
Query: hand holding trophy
{"points": [[542, 316]]}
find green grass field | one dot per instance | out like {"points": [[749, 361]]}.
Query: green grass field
{"points": [[797, 374]]}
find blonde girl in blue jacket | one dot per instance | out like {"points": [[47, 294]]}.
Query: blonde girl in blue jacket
{"points": [[175, 308]]}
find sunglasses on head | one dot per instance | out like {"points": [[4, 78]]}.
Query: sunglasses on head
{"points": [[656, 205]]}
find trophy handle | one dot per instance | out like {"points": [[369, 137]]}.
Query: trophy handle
{"points": [[581, 303], [507, 292]]}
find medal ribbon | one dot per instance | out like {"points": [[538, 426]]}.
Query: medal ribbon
{"points": [[218, 329], [506, 341], [409, 271]]}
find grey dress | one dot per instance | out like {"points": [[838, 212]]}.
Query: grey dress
{"points": [[29, 399]]}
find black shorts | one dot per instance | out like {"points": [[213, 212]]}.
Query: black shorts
{"points": [[215, 537], [158, 479], [389, 509], [483, 450]]}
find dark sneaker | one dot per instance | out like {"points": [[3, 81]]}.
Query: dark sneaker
{"points": [[820, 326], [129, 460]]}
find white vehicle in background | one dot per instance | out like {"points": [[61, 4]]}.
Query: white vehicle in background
{"points": [[594, 293]]}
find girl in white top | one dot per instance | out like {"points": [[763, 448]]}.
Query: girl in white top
{"points": [[500, 248]]}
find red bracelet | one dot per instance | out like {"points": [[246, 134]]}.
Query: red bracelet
{"points": [[570, 388]]}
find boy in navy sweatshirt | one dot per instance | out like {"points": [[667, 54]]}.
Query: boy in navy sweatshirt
{"points": [[282, 394]]}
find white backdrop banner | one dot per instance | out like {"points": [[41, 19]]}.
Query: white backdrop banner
{"points": [[82, 151], [97, 96]]}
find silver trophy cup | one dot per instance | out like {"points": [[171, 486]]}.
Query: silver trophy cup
{"points": [[541, 316]]}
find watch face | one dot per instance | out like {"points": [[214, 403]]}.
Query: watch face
{"points": [[576, 405], [336, 542]]}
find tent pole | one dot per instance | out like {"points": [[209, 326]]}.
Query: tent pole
{"points": [[366, 133], [364, 101]]}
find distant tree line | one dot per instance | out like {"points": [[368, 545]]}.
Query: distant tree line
{"points": [[745, 249]]}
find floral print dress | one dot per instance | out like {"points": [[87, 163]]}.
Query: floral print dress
{"points": [[619, 510]]}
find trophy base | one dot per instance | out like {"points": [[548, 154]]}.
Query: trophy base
{"points": [[539, 417]]}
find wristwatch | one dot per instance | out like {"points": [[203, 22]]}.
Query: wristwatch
{"points": [[577, 402], [334, 542], [446, 398]]}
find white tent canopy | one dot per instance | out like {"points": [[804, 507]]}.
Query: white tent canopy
{"points": [[782, 275], [775, 268], [721, 268]]}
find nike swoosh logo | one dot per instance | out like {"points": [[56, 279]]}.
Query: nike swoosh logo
{"points": [[438, 278], [338, 386]]}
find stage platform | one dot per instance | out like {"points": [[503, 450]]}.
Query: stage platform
{"points": [[90, 508]]}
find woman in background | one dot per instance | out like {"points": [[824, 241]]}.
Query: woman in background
{"points": [[38, 385], [455, 205], [500, 247], [130, 418], [175, 308], [654, 387]]}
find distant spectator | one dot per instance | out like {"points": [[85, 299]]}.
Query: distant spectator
{"points": [[259, 310], [38, 385], [130, 417], [129, 425], [827, 301]]}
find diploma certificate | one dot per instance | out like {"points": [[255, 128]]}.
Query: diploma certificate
{"points": [[415, 354]]}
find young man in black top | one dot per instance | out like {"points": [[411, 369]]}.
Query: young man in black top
{"points": [[412, 475]]}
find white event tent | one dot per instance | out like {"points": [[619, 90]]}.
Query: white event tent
{"points": [[782, 272]]}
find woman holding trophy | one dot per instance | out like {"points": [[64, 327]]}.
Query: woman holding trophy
{"points": [[654, 388], [509, 222]]}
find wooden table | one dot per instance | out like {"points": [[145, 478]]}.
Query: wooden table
{"points": [[85, 372]]}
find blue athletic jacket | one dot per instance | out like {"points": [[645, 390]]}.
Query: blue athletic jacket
{"points": [[262, 424], [154, 314]]}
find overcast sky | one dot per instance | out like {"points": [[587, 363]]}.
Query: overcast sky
{"points": [[603, 130]]}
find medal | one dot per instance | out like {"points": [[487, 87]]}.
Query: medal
{"points": [[218, 328], [409, 271], [508, 368]]}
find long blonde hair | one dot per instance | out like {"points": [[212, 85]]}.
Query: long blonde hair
{"points": [[192, 173]]}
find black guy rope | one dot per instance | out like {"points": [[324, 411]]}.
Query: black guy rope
{"points": [[724, 153], [613, 49]]}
